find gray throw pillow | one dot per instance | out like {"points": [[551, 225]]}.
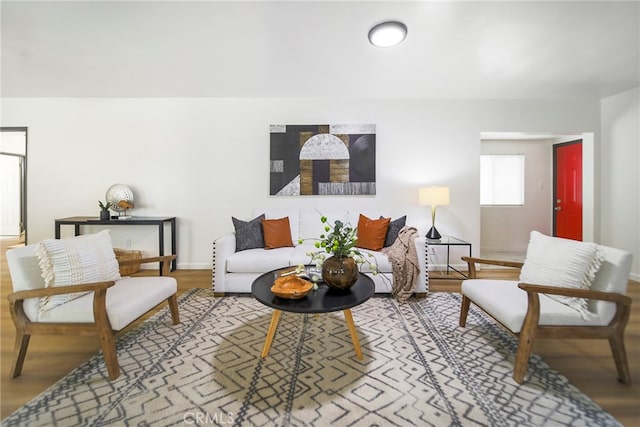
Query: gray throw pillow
{"points": [[248, 233], [394, 228]]}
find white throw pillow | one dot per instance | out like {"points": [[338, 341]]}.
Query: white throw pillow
{"points": [[78, 260], [561, 262]]}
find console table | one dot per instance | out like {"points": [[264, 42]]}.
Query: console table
{"points": [[77, 221], [449, 241]]}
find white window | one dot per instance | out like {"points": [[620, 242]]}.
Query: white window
{"points": [[502, 179]]}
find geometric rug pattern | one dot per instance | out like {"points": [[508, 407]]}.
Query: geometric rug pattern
{"points": [[419, 368]]}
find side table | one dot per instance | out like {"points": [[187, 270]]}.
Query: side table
{"points": [[449, 241]]}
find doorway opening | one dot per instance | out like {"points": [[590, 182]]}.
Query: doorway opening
{"points": [[504, 230], [13, 191]]}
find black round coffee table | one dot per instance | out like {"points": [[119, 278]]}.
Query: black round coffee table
{"points": [[322, 300]]}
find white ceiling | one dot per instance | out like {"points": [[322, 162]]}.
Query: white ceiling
{"points": [[482, 50]]}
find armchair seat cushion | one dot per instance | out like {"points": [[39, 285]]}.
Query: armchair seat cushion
{"points": [[507, 303], [124, 304]]}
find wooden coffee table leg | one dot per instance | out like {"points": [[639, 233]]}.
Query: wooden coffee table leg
{"points": [[275, 317], [354, 334]]}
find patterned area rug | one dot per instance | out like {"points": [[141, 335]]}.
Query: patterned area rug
{"points": [[419, 368]]}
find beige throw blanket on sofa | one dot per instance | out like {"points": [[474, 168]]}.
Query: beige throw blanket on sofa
{"points": [[404, 262]]}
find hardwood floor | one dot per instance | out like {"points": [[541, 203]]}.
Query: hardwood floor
{"points": [[586, 363]]}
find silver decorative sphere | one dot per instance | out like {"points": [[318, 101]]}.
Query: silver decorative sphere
{"points": [[116, 193]]}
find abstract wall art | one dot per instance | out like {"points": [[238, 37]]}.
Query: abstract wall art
{"points": [[327, 160]]}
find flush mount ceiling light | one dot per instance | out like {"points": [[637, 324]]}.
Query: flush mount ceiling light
{"points": [[387, 33]]}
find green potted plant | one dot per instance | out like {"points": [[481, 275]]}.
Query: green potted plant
{"points": [[340, 269], [104, 210]]}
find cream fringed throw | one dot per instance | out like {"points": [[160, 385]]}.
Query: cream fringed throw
{"points": [[76, 260], [404, 262]]}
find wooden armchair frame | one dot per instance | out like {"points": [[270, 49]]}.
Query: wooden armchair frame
{"points": [[100, 327], [614, 331]]}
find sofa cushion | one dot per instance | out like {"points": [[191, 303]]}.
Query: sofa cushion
{"points": [[311, 227], [507, 303], [372, 232], [74, 261], [395, 225], [301, 254], [248, 233], [277, 233], [377, 258], [561, 262], [394, 228], [292, 214], [259, 260]]}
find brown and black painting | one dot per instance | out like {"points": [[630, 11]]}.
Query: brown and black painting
{"points": [[328, 160]]}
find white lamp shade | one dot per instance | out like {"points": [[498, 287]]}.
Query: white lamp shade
{"points": [[434, 196]]}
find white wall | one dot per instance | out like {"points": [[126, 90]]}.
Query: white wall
{"points": [[507, 228], [206, 159], [619, 159]]}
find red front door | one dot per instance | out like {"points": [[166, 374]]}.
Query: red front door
{"points": [[567, 176]]}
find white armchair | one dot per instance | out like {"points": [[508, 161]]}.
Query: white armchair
{"points": [[105, 308], [532, 311]]}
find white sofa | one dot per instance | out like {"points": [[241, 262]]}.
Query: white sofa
{"points": [[234, 272]]}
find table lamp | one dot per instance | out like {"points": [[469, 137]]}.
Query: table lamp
{"points": [[433, 196]]}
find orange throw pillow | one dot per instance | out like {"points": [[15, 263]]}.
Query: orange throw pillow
{"points": [[372, 232], [277, 233]]}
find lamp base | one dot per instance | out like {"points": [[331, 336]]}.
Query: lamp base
{"points": [[433, 234]]}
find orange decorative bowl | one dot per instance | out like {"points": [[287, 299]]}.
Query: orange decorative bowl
{"points": [[291, 287]]}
